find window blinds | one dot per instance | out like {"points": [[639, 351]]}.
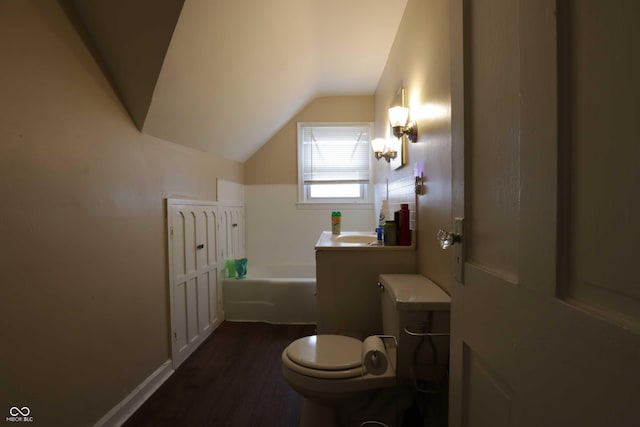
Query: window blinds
{"points": [[335, 154]]}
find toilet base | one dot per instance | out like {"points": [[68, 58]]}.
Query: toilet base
{"points": [[316, 415], [382, 405]]}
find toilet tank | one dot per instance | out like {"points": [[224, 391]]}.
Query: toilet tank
{"points": [[413, 304]]}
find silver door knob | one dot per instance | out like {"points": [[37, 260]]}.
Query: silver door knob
{"points": [[447, 238]]}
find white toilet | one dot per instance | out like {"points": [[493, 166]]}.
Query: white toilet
{"points": [[337, 374]]}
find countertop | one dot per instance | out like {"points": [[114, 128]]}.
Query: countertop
{"points": [[329, 241]]}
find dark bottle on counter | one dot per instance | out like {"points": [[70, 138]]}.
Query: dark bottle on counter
{"points": [[404, 238]]}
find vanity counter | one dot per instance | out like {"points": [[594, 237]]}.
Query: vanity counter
{"points": [[356, 241]]}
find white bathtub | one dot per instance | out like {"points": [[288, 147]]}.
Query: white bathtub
{"points": [[272, 294]]}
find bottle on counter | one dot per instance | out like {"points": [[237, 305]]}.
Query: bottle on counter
{"points": [[384, 213], [396, 219], [404, 238], [390, 235], [336, 219]]}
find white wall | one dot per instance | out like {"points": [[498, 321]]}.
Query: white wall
{"points": [[279, 232]]}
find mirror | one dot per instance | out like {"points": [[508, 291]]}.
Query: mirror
{"points": [[401, 158]]}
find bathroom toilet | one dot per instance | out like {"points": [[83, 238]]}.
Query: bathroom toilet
{"points": [[328, 371], [343, 378]]}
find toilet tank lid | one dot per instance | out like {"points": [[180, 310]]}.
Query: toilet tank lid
{"points": [[414, 292]]}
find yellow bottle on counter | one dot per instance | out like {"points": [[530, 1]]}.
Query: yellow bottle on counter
{"points": [[336, 218]]}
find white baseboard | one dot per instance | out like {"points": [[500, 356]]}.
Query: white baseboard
{"points": [[123, 410]]}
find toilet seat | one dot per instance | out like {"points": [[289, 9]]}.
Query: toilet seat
{"points": [[325, 356]]}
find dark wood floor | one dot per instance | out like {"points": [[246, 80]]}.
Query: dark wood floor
{"points": [[232, 380]]}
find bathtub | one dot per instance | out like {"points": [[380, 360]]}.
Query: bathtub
{"points": [[272, 294]]}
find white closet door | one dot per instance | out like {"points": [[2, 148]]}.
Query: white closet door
{"points": [[193, 268], [232, 216]]}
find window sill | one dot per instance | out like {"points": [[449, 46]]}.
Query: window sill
{"points": [[334, 206]]}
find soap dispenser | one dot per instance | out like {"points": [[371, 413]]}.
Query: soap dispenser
{"points": [[384, 214]]}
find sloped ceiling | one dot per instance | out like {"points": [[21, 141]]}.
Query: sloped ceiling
{"points": [[223, 76]]}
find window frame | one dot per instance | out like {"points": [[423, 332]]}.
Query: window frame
{"points": [[366, 189]]}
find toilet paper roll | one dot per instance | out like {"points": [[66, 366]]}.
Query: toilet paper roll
{"points": [[374, 356]]}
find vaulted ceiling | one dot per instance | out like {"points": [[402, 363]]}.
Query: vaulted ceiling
{"points": [[223, 76]]}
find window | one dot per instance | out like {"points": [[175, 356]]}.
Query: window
{"points": [[334, 162]]}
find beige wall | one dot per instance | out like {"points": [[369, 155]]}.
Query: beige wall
{"points": [[277, 163], [420, 61], [83, 255]]}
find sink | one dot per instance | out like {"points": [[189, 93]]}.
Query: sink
{"points": [[355, 241], [355, 238]]}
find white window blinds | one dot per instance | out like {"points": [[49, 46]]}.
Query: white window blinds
{"points": [[335, 154]]}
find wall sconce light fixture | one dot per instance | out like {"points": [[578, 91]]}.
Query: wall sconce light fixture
{"points": [[385, 148], [399, 120]]}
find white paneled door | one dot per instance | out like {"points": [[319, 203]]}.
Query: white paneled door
{"points": [[232, 224], [193, 274], [545, 326]]}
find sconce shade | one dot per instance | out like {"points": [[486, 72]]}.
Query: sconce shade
{"points": [[378, 144], [394, 144], [384, 149], [398, 116]]}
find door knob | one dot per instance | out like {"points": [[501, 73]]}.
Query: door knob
{"points": [[200, 246], [447, 238]]}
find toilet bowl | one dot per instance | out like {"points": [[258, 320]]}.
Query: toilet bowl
{"points": [[328, 371], [336, 375]]}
